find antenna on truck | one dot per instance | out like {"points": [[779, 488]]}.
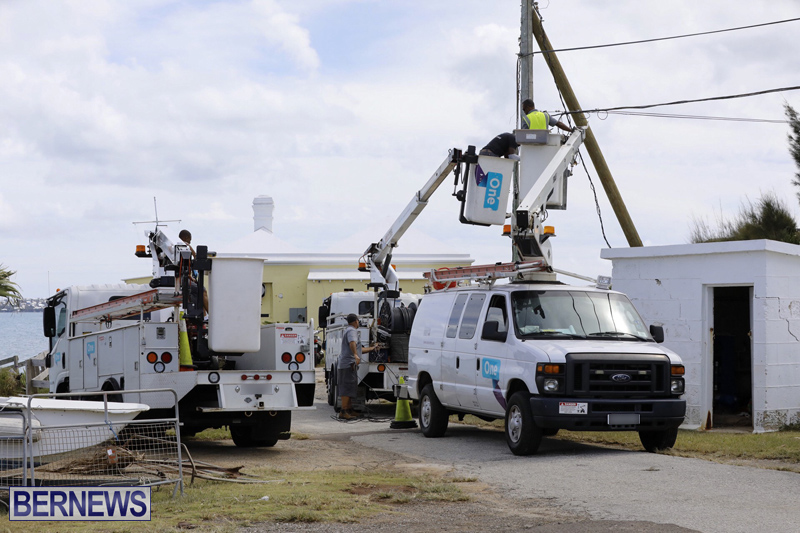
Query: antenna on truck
{"points": [[157, 222]]}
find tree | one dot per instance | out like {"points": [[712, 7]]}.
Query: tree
{"points": [[8, 289], [794, 141], [768, 217]]}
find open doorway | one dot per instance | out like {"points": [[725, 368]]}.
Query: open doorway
{"points": [[733, 380]]}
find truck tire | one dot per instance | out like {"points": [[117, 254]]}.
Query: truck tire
{"points": [[432, 414], [332, 386], [654, 441], [523, 436]]}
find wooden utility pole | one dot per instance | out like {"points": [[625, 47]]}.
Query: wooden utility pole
{"points": [[590, 142]]}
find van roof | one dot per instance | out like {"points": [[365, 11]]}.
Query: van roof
{"points": [[526, 286]]}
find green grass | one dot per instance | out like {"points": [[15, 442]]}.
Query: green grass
{"points": [[316, 496]]}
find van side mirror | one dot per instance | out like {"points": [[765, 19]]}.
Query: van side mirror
{"points": [[49, 322], [324, 312], [491, 333], [658, 333]]}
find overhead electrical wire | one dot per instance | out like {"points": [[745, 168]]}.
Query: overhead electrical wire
{"points": [[695, 117], [642, 41], [679, 102]]}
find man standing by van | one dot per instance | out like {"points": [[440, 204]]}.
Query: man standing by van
{"points": [[347, 371]]}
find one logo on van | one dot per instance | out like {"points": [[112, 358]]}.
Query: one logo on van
{"points": [[490, 368], [621, 378], [90, 349]]}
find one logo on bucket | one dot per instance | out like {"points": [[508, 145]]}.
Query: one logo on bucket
{"points": [[90, 349], [494, 180], [490, 368], [79, 503]]}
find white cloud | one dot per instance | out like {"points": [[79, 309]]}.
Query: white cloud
{"points": [[105, 105]]}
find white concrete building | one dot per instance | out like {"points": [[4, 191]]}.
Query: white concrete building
{"points": [[732, 311]]}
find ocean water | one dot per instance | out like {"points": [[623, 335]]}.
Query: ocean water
{"points": [[21, 334]]}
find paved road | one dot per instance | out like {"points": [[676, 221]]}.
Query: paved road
{"points": [[600, 483]]}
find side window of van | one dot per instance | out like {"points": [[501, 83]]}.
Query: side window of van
{"points": [[452, 325], [366, 307], [472, 313], [497, 312]]}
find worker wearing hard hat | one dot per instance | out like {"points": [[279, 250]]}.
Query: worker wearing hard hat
{"points": [[538, 120]]}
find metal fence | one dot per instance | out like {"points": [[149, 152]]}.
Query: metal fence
{"points": [[88, 447]]}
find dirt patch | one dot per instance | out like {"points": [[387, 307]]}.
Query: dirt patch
{"points": [[483, 510]]}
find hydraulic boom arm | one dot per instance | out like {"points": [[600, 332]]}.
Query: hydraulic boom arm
{"points": [[379, 255]]}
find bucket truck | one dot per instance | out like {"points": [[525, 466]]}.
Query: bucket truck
{"points": [[227, 370], [541, 355]]}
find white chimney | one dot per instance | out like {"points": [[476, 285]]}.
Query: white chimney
{"points": [[262, 213]]}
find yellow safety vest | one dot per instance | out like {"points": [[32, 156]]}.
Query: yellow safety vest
{"points": [[537, 120]]}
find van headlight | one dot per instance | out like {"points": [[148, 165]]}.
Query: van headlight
{"points": [[677, 386], [551, 385]]}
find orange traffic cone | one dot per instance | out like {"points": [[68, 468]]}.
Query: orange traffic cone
{"points": [[402, 414]]}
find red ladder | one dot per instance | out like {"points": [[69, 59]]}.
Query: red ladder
{"points": [[446, 277], [128, 306]]}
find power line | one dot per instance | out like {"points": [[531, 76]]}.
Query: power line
{"points": [[666, 38], [679, 102], [696, 117]]}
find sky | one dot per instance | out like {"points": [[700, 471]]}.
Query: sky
{"points": [[342, 109]]}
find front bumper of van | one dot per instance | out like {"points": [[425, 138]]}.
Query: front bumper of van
{"points": [[584, 414]]}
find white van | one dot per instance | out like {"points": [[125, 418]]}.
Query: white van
{"points": [[545, 357]]}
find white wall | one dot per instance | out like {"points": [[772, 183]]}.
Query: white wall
{"points": [[672, 286]]}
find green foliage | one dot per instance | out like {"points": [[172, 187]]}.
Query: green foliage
{"points": [[767, 218], [8, 289], [10, 384], [794, 141]]}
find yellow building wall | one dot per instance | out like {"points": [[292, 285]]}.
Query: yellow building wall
{"points": [[287, 286], [291, 287]]}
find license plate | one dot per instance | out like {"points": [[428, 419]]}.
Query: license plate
{"points": [[573, 408], [623, 419]]}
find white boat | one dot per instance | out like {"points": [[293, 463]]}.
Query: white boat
{"points": [[59, 426]]}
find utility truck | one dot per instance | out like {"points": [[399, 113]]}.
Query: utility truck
{"points": [[508, 341], [379, 373], [227, 369]]}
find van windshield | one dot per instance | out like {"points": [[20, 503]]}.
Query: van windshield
{"points": [[577, 314]]}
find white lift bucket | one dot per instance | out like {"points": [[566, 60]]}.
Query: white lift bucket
{"points": [[234, 304], [488, 184]]}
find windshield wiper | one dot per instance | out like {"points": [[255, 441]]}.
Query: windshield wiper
{"points": [[617, 334], [555, 334]]}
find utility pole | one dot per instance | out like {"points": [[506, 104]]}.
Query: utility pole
{"points": [[590, 142], [525, 53]]}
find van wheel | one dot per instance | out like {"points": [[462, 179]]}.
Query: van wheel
{"points": [[332, 387], [654, 441], [522, 434], [432, 414]]}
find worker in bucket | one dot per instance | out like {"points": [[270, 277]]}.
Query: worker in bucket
{"points": [[539, 120], [347, 371], [186, 237], [504, 145]]}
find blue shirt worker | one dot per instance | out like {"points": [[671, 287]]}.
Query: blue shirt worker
{"points": [[347, 371], [538, 120]]}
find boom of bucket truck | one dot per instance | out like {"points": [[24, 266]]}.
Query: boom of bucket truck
{"points": [[483, 194]]}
